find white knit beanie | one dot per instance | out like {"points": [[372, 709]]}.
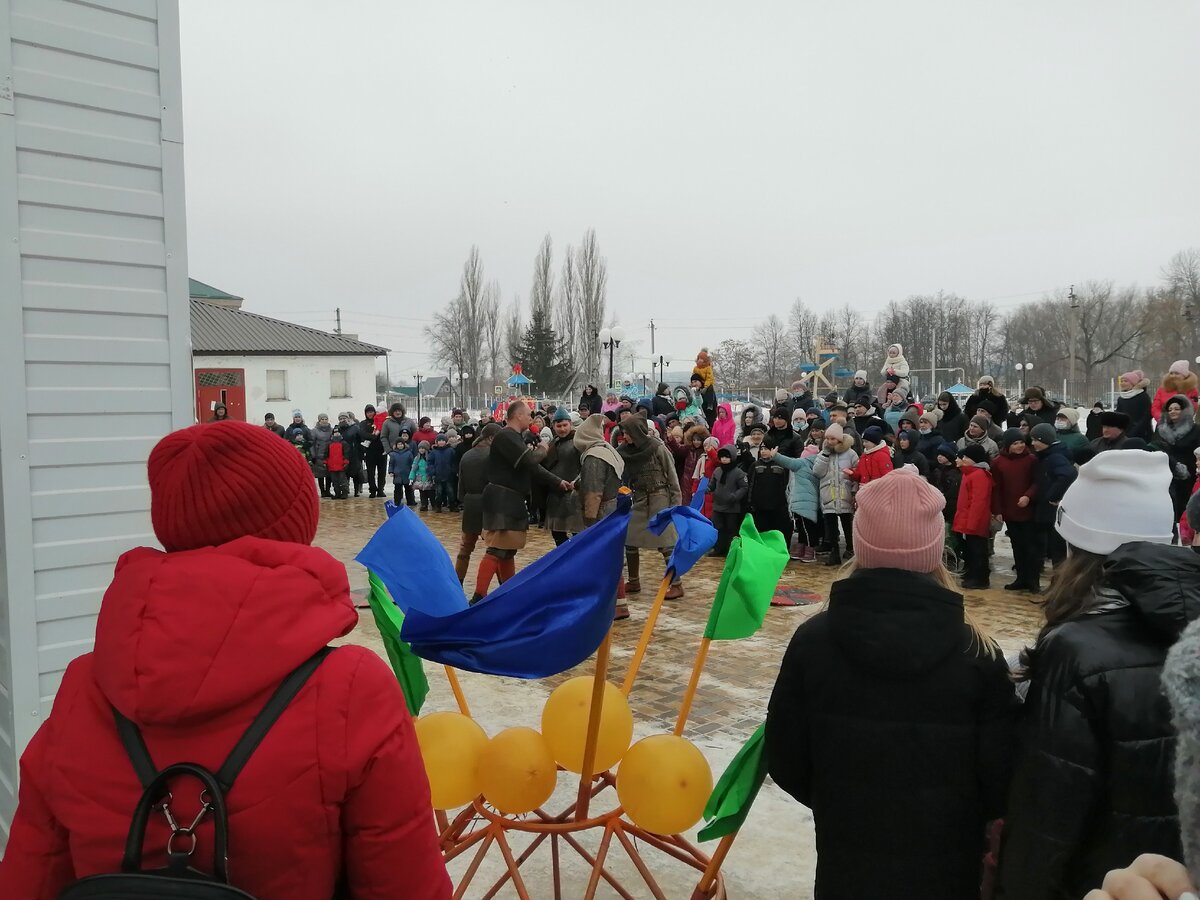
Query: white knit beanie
{"points": [[1118, 497]]}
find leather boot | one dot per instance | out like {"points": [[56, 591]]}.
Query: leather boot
{"points": [[633, 563]]}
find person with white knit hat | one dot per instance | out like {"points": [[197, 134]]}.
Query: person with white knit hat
{"points": [[1093, 784], [893, 717]]}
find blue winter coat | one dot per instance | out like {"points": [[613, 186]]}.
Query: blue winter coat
{"points": [[441, 463], [400, 463], [804, 490]]}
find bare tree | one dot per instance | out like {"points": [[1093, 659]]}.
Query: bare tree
{"points": [[1182, 280], [566, 316], [514, 328], [446, 335], [541, 293], [493, 334], [803, 332], [733, 363], [592, 271], [773, 349]]}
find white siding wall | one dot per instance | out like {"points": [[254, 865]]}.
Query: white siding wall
{"points": [[308, 384], [94, 322]]}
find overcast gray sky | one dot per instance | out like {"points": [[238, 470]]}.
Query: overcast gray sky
{"points": [[731, 156]]}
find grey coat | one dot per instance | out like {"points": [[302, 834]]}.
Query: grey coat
{"points": [[837, 488], [322, 437], [730, 489], [656, 488], [390, 432]]}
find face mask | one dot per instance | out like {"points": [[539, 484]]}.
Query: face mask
{"points": [[1062, 426], [925, 430]]}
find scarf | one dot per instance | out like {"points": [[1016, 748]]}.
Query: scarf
{"points": [[589, 441], [1125, 395], [1172, 434], [639, 450]]}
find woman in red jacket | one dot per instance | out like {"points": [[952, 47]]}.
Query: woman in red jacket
{"points": [[190, 644], [973, 517]]}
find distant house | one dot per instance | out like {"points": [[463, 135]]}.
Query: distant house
{"points": [[257, 365]]}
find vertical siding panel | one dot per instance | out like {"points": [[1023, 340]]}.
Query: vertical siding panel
{"points": [[85, 327]]}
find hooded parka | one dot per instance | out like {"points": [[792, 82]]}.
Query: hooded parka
{"points": [[181, 649], [1093, 785]]}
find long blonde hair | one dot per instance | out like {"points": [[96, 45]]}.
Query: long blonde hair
{"points": [[981, 642]]}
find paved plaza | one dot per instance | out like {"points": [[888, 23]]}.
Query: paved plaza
{"points": [[774, 854]]}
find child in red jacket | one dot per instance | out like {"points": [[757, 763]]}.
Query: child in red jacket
{"points": [[973, 518], [876, 460], [336, 463], [1013, 493]]}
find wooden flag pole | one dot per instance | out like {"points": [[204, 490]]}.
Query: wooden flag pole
{"points": [[690, 694], [708, 879], [452, 677], [647, 631], [599, 682]]}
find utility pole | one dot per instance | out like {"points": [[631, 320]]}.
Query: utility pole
{"points": [[338, 330], [651, 337], [1074, 319]]}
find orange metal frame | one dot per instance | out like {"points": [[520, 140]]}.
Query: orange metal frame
{"points": [[463, 833]]}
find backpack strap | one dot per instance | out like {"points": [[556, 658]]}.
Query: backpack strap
{"points": [[135, 747], [267, 717], [147, 771]]}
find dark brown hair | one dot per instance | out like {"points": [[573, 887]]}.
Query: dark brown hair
{"points": [[1068, 598]]}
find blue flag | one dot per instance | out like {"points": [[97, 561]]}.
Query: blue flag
{"points": [[549, 617], [697, 496], [694, 535], [413, 565]]}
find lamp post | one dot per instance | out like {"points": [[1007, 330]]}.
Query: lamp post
{"points": [[462, 396], [417, 375], [610, 340], [1022, 368]]}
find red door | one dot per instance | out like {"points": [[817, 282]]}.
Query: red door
{"points": [[215, 386]]}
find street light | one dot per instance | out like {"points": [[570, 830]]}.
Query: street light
{"points": [[662, 364], [610, 340], [1022, 368]]}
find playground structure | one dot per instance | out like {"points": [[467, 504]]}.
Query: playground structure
{"points": [[481, 827], [822, 373]]}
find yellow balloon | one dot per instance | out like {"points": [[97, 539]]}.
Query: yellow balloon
{"points": [[517, 773], [451, 745], [565, 723], [664, 783]]}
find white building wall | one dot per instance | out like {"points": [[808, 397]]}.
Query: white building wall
{"points": [[308, 384], [94, 322]]}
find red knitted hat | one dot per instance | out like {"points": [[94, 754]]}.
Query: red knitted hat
{"points": [[898, 523], [214, 483]]}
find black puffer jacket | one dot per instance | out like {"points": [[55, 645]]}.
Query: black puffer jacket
{"points": [[1053, 474], [890, 725], [1093, 787]]}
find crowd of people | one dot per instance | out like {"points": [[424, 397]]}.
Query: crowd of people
{"points": [[934, 767]]}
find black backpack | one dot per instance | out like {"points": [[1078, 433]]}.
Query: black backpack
{"points": [[179, 881]]}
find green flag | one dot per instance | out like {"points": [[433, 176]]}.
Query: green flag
{"points": [[748, 581], [405, 663], [734, 794]]}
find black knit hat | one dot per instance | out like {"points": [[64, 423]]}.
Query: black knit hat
{"points": [[973, 452]]}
